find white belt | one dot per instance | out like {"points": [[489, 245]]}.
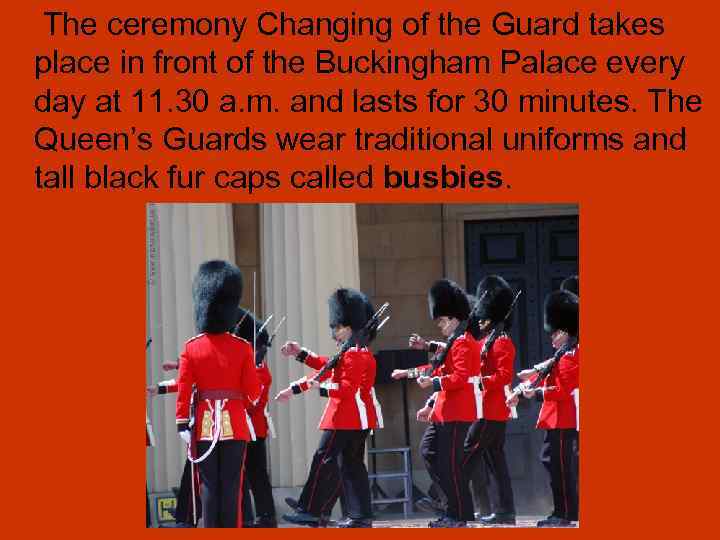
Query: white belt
{"points": [[329, 385], [148, 427], [475, 381], [513, 409]]}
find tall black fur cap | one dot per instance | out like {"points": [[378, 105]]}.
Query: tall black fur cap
{"points": [[248, 326], [571, 284], [216, 290], [349, 307], [497, 297], [447, 298], [562, 312]]}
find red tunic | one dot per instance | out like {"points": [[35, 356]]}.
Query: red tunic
{"points": [[497, 373], [558, 408], [456, 382], [351, 403], [259, 413], [225, 364]]}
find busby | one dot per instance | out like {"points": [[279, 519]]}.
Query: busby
{"points": [[571, 284], [446, 298], [216, 290], [562, 312], [349, 307], [496, 296]]}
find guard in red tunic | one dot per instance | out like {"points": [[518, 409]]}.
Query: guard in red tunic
{"points": [[220, 368], [558, 415], [351, 412], [486, 437], [258, 481], [456, 402]]}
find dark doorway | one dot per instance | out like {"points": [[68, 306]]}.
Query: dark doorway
{"points": [[534, 255]]}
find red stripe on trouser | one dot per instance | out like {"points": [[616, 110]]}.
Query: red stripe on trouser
{"points": [[562, 474], [240, 489], [317, 473], [334, 496], [475, 447], [454, 473]]}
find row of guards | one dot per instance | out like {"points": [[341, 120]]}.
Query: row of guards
{"points": [[223, 389]]}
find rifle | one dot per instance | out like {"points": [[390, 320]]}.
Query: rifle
{"points": [[439, 359], [498, 329], [261, 350], [361, 337], [544, 371]]}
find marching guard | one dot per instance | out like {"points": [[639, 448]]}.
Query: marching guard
{"points": [[218, 370], [351, 412], [455, 404], [558, 378], [486, 437]]}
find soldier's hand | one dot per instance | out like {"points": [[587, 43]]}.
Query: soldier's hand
{"points": [[529, 393], [170, 365], [513, 401], [424, 382], [417, 342], [423, 415], [526, 374], [291, 348], [152, 390], [313, 383], [284, 395], [185, 436], [399, 374]]}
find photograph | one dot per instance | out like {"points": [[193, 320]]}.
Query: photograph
{"points": [[362, 365]]}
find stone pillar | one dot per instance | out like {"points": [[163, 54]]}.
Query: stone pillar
{"points": [[179, 238], [308, 250]]}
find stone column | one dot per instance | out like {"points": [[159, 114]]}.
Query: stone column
{"points": [[308, 250], [179, 238]]}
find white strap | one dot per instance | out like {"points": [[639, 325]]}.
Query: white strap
{"points": [[362, 410], [217, 428], [149, 428], [251, 428], [378, 409], [576, 397], [328, 385], [513, 409], [271, 426]]}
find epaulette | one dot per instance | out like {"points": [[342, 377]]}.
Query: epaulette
{"points": [[241, 339], [194, 338]]}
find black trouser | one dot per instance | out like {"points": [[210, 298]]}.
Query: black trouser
{"points": [[221, 479], [148, 522], [559, 455], [184, 506], [442, 449], [257, 482], [328, 479], [479, 486], [486, 442]]}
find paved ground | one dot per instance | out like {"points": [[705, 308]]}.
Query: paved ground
{"points": [[420, 521]]}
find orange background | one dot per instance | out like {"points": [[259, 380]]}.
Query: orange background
{"points": [[74, 264]]}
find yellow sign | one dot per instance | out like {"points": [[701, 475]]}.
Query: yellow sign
{"points": [[165, 507]]}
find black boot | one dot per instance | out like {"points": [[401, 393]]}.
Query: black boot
{"points": [[352, 523], [554, 521]]}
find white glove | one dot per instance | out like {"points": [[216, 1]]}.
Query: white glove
{"points": [[185, 436]]}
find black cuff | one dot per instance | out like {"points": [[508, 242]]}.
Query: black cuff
{"points": [[162, 389], [433, 347], [431, 403], [324, 392], [185, 426], [302, 355], [436, 384], [296, 389]]}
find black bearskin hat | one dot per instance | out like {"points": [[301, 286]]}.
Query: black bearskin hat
{"points": [[446, 298], [349, 307], [571, 284], [216, 290], [562, 312], [497, 297]]}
